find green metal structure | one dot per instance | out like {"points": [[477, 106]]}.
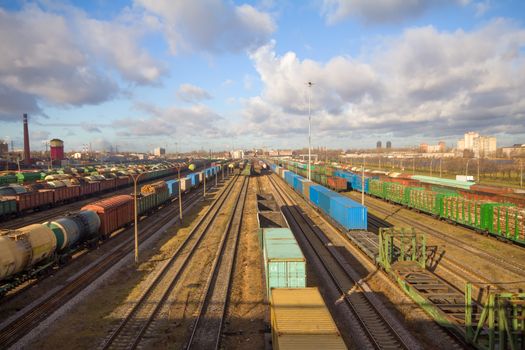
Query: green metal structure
{"points": [[501, 323], [400, 244]]}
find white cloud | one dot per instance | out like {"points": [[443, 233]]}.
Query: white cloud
{"points": [[192, 93], [424, 82], [197, 120], [210, 25], [482, 7], [63, 57], [380, 11]]}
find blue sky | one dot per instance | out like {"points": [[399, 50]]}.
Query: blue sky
{"points": [[221, 74]]}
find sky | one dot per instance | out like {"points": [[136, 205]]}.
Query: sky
{"points": [[210, 74]]}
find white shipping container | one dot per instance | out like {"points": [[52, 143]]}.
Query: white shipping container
{"points": [[185, 184], [465, 178]]}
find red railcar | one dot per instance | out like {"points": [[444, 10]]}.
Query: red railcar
{"points": [[121, 181], [87, 188], [114, 212], [337, 183], [64, 194], [34, 200], [107, 185]]}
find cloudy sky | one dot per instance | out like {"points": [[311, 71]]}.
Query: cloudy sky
{"points": [[220, 74]]}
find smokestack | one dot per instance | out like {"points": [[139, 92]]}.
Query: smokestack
{"points": [[27, 152]]}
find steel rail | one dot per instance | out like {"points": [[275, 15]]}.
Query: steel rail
{"points": [[380, 333], [207, 327], [130, 331], [21, 325]]}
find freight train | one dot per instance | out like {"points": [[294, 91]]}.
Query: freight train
{"points": [[500, 219], [29, 251], [298, 312], [343, 211], [58, 189]]}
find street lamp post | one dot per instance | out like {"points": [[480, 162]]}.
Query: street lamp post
{"points": [[310, 84], [180, 197], [431, 161], [466, 168], [363, 183], [478, 179], [440, 165], [521, 173], [135, 181]]}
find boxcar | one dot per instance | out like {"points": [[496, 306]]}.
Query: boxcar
{"points": [[114, 212]]}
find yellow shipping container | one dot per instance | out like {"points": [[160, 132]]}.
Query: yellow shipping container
{"points": [[300, 320]]}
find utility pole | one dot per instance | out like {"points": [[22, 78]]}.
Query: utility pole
{"points": [[135, 180], [363, 183], [310, 84], [479, 160], [440, 163], [521, 173], [180, 196]]}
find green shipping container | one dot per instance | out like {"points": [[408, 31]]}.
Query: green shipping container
{"points": [[284, 262]]}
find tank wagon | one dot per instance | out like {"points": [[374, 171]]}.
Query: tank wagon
{"points": [[31, 250]]}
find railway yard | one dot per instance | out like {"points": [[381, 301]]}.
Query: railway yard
{"points": [[259, 258]]}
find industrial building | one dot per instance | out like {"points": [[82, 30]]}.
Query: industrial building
{"points": [[159, 152]]}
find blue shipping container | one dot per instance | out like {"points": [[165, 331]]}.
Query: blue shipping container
{"points": [[348, 213], [298, 184], [173, 187], [289, 178]]}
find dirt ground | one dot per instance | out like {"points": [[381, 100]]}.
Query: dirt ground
{"points": [[91, 320], [487, 269], [244, 326]]}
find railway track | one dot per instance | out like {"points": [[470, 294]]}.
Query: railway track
{"points": [[129, 333], [24, 323], [206, 330], [379, 329], [516, 268]]}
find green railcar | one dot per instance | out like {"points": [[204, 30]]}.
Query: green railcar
{"points": [[375, 188], [426, 201], [8, 179], [505, 220], [464, 211], [7, 206], [394, 192]]}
